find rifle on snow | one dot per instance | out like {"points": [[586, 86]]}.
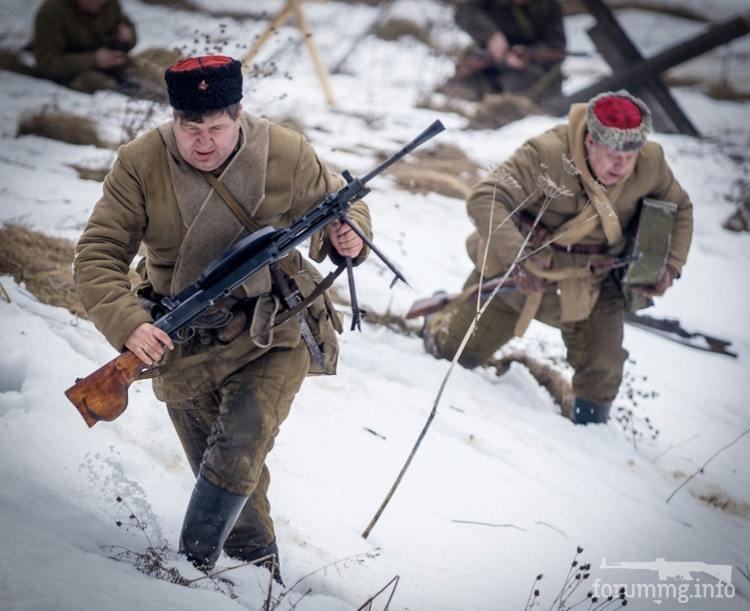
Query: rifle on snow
{"points": [[103, 395], [430, 305], [668, 328]]}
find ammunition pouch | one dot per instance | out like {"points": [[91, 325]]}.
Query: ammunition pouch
{"points": [[322, 318]]}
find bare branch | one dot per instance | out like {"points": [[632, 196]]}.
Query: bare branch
{"points": [[367, 605], [443, 384], [705, 464]]}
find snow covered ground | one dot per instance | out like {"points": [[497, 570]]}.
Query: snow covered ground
{"points": [[502, 488]]}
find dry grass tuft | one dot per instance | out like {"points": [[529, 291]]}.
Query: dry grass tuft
{"points": [[62, 126], [396, 28], [182, 5], [9, 61], [86, 173], [726, 91], [149, 65], [721, 500], [547, 376], [444, 169], [41, 262], [500, 109], [739, 220]]}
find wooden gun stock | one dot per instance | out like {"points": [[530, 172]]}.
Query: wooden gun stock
{"points": [[103, 395], [430, 305]]}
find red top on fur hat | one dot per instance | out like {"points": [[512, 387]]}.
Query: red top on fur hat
{"points": [[618, 120], [207, 61], [200, 84], [619, 112]]}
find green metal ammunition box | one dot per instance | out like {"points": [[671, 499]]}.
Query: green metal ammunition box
{"points": [[650, 243]]}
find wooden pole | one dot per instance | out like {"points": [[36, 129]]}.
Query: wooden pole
{"points": [[275, 23], [292, 8], [312, 48]]}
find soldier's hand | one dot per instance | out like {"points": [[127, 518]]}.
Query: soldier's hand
{"points": [[124, 33], [344, 240], [107, 59], [525, 280], [665, 282], [515, 59], [149, 343], [498, 46]]}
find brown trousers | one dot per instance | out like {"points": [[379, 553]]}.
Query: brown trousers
{"points": [[594, 345], [228, 433]]}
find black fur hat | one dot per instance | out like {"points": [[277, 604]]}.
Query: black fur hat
{"points": [[204, 83]]}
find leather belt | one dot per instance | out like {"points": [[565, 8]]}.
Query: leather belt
{"points": [[524, 222], [583, 249]]}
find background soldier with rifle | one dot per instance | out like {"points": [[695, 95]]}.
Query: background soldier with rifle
{"points": [[562, 201], [188, 190], [86, 44], [521, 45]]}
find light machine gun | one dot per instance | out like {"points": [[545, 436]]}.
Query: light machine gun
{"points": [[103, 395]]}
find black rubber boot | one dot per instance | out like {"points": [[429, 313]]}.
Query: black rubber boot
{"points": [[252, 553], [209, 518], [588, 412]]}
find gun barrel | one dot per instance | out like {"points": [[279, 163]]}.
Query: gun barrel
{"points": [[432, 130]]}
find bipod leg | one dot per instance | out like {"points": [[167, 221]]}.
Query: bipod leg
{"points": [[378, 252], [357, 314]]}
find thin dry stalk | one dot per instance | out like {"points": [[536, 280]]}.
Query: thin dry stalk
{"points": [[672, 447], [232, 568], [705, 464], [505, 179], [367, 605], [355, 557], [459, 352]]}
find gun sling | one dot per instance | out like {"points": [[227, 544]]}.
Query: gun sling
{"points": [[285, 266]]}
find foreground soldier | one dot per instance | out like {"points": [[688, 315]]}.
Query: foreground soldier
{"points": [[584, 181], [521, 44], [228, 388]]}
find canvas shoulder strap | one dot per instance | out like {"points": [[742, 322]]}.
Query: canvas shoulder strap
{"points": [[285, 264]]}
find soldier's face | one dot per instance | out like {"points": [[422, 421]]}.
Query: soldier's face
{"points": [[90, 7], [607, 165], [208, 144]]}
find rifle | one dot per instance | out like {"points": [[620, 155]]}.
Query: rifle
{"points": [[668, 328], [477, 60], [103, 395], [430, 305]]}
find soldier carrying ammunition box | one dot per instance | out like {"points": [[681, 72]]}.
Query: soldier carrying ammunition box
{"points": [[573, 189]]}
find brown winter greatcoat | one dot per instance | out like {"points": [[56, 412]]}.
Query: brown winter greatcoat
{"points": [[557, 155], [153, 196], [65, 39], [588, 308]]}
